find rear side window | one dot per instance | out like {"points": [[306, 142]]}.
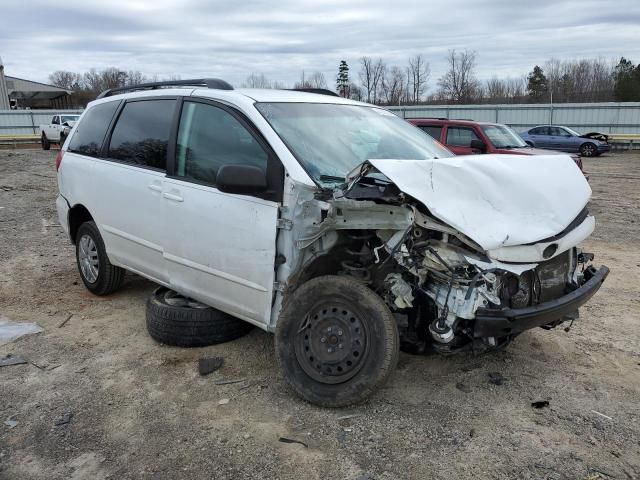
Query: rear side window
{"points": [[90, 132], [433, 130], [141, 134], [539, 131], [460, 137]]}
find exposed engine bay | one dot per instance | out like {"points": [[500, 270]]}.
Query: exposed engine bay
{"points": [[447, 292]]}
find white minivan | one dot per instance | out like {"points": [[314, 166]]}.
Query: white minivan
{"points": [[335, 224]]}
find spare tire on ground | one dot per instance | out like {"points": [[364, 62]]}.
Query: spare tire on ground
{"points": [[173, 319]]}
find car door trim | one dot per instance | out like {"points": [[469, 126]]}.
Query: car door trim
{"points": [[132, 238], [214, 272]]}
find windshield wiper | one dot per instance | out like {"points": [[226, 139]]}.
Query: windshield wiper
{"points": [[331, 178]]}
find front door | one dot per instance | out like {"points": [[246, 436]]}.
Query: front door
{"points": [[459, 140], [220, 247]]}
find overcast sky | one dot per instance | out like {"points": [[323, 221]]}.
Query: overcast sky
{"points": [[231, 39]]}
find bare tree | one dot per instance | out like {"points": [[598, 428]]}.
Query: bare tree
{"points": [[459, 83], [315, 80], [371, 77], [417, 76], [134, 77], [393, 85], [65, 79], [255, 80]]}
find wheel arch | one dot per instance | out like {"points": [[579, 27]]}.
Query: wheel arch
{"points": [[78, 214]]}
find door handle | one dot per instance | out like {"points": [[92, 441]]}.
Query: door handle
{"points": [[171, 196], [155, 188]]}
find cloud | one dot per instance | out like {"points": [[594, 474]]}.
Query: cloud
{"points": [[194, 38]]}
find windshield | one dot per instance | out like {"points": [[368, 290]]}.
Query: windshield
{"points": [[502, 136], [69, 118], [330, 140]]}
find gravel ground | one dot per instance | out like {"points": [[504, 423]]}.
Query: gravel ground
{"points": [[101, 400]]}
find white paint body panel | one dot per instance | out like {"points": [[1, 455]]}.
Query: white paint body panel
{"points": [[220, 248], [496, 200]]}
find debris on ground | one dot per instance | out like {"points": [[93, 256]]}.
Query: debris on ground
{"points": [[540, 404], [10, 330], [463, 388], [64, 322], [223, 401], [496, 378], [10, 422], [64, 419], [602, 415], [10, 359], [207, 365], [229, 381], [292, 440]]}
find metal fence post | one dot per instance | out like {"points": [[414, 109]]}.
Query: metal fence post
{"points": [[33, 124]]}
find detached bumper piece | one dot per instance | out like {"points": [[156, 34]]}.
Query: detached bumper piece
{"points": [[499, 322]]}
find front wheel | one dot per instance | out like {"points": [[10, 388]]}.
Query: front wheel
{"points": [[588, 150], [97, 273], [336, 341]]}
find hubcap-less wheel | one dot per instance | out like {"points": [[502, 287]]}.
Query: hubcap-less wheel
{"points": [[88, 258], [331, 344]]}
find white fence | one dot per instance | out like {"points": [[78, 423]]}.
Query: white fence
{"points": [[26, 122], [583, 117]]}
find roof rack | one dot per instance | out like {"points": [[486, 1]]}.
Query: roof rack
{"points": [[197, 82], [319, 91]]}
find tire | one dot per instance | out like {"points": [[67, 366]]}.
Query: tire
{"points": [[63, 137], [96, 271], [44, 141], [588, 149], [187, 323], [530, 143], [332, 311]]}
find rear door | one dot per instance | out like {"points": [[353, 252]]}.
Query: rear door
{"points": [[540, 137], [128, 186], [220, 247], [459, 139]]}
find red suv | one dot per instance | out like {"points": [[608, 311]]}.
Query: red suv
{"points": [[466, 137]]}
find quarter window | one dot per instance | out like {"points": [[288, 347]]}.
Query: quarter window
{"points": [[433, 130], [460, 137], [90, 132], [141, 134], [210, 137]]}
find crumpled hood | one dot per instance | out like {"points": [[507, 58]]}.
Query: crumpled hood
{"points": [[496, 200]]}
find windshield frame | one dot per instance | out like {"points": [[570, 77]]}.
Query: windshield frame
{"points": [[330, 184], [509, 130]]}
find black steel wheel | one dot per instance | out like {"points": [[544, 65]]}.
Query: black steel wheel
{"points": [[336, 341]]}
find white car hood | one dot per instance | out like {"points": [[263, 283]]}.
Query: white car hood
{"points": [[496, 200]]}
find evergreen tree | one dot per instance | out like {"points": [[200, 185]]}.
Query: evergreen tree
{"points": [[342, 80], [627, 81], [537, 85]]}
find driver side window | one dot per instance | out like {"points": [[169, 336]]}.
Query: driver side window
{"points": [[210, 137]]}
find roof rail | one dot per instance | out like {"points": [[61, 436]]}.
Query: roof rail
{"points": [[319, 91], [197, 82]]}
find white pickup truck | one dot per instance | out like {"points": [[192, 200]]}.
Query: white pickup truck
{"points": [[57, 130]]}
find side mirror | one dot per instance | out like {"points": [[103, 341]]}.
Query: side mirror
{"points": [[478, 145], [241, 179]]}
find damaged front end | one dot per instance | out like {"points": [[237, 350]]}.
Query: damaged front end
{"points": [[447, 291]]}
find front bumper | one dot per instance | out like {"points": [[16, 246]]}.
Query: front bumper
{"points": [[499, 322]]}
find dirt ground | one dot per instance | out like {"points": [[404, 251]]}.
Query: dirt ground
{"points": [[102, 400]]}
